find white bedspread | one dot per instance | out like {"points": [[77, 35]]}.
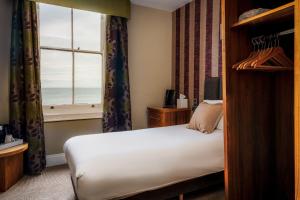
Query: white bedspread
{"points": [[114, 165]]}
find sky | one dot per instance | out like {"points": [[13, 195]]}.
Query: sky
{"points": [[55, 31]]}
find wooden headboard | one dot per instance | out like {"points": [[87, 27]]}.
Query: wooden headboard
{"points": [[213, 88]]}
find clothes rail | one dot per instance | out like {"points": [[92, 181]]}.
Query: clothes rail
{"points": [[287, 32]]}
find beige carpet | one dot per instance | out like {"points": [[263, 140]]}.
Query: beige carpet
{"points": [[55, 184]]}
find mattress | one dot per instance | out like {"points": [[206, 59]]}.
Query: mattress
{"points": [[122, 164]]}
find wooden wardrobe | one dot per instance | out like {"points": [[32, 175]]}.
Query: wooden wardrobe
{"points": [[262, 107]]}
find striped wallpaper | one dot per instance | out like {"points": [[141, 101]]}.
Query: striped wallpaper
{"points": [[196, 47]]}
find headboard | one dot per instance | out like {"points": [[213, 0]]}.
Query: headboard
{"points": [[213, 88]]}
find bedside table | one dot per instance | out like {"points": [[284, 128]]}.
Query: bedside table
{"points": [[11, 166], [159, 117]]}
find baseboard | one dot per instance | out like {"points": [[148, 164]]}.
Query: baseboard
{"points": [[55, 159]]}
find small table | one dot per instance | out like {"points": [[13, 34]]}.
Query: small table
{"points": [[159, 117], [11, 166]]}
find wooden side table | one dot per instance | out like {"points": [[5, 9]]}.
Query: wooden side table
{"points": [[159, 117], [11, 166]]}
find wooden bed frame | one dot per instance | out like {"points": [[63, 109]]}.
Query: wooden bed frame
{"points": [[201, 184]]}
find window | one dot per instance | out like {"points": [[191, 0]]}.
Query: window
{"points": [[71, 58]]}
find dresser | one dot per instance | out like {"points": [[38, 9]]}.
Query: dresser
{"points": [[159, 117]]}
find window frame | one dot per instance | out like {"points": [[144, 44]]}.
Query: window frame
{"points": [[67, 112]]}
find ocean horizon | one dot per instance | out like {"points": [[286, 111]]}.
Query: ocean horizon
{"points": [[63, 96]]}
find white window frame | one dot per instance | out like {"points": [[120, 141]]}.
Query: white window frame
{"points": [[69, 112]]}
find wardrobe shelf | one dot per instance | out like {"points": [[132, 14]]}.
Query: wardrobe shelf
{"points": [[281, 13], [267, 69]]}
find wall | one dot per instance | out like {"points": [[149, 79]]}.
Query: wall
{"points": [[196, 47], [56, 133], [5, 30], [150, 63]]}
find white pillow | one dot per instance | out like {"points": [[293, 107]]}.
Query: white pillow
{"points": [[213, 101], [221, 124]]}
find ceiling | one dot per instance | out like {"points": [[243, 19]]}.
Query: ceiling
{"points": [[168, 5]]}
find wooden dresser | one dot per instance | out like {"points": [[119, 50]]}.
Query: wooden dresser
{"points": [[159, 117]]}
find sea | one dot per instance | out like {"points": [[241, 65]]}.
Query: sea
{"points": [[63, 96]]}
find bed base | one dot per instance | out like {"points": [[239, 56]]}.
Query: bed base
{"points": [[203, 183], [177, 190]]}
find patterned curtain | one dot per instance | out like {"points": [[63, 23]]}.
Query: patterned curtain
{"points": [[117, 110], [26, 117]]}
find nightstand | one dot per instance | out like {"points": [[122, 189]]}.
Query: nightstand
{"points": [[11, 166], [159, 117]]}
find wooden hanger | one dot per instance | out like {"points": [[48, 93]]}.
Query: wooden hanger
{"points": [[266, 54], [254, 43], [277, 55], [260, 52], [252, 55], [274, 55]]}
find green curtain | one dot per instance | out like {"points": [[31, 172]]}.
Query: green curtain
{"points": [[119, 8], [26, 117], [117, 110]]}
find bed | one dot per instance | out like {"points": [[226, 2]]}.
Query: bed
{"points": [[133, 163]]}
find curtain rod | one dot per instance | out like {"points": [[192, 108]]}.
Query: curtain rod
{"points": [[287, 32]]}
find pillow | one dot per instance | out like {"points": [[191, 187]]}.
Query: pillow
{"points": [[221, 124], [213, 101], [206, 117]]}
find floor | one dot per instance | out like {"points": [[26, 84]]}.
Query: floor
{"points": [[55, 184]]}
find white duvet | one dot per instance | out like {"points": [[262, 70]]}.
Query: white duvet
{"points": [[116, 165]]}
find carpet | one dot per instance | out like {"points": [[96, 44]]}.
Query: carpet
{"points": [[53, 184]]}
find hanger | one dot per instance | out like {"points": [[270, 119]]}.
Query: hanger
{"points": [[254, 43], [253, 54], [261, 46], [266, 53], [274, 55]]}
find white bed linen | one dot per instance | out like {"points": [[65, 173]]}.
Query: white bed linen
{"points": [[115, 165]]}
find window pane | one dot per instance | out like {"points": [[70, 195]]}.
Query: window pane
{"points": [[87, 30], [88, 78], [56, 77], [55, 26]]}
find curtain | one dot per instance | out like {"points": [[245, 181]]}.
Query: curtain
{"points": [[26, 117], [117, 110]]}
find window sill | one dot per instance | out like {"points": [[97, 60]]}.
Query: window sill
{"points": [[71, 113], [71, 117]]}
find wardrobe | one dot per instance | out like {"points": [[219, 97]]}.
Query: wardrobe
{"points": [[262, 105]]}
